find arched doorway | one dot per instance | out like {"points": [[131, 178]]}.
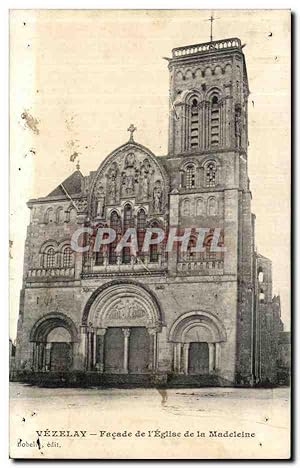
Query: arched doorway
{"points": [[53, 337], [121, 336], [59, 350], [197, 338]]}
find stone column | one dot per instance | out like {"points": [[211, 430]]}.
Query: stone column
{"points": [[100, 349], [43, 356], [89, 350], [211, 357], [153, 349], [37, 357], [126, 333], [40, 356], [181, 354], [217, 356], [48, 356], [82, 358], [33, 355], [94, 336], [177, 357], [221, 107], [186, 348]]}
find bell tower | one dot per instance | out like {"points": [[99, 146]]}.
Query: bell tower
{"points": [[208, 98]]}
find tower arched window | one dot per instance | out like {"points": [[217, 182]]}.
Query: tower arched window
{"points": [[186, 207], [128, 223], [260, 276], [50, 257], [214, 121], [211, 174], [199, 207], [115, 223], [67, 257], [212, 206], [194, 124], [190, 176], [261, 295]]}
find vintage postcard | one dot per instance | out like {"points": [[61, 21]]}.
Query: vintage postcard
{"points": [[149, 236]]}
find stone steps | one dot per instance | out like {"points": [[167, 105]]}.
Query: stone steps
{"points": [[94, 379]]}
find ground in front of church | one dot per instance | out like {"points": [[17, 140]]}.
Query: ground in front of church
{"points": [[176, 423]]}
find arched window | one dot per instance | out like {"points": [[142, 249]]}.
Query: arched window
{"points": [[49, 216], [186, 207], [211, 174], [261, 295], [260, 276], [128, 223], [194, 124], [67, 257], [128, 218], [59, 215], [50, 257], [212, 206], [189, 179], [153, 248], [141, 229], [214, 121], [115, 223], [199, 207]]}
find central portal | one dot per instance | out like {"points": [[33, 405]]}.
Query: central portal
{"points": [[127, 350], [121, 336]]}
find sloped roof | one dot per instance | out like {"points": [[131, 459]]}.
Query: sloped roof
{"points": [[72, 184]]}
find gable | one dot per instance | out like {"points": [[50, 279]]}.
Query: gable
{"points": [[72, 185]]}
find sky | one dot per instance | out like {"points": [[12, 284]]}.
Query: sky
{"points": [[80, 78]]}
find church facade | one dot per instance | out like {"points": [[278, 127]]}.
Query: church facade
{"points": [[161, 315]]}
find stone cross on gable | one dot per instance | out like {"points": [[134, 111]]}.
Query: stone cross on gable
{"points": [[131, 129]]}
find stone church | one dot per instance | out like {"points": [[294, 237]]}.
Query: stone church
{"points": [[206, 317]]}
